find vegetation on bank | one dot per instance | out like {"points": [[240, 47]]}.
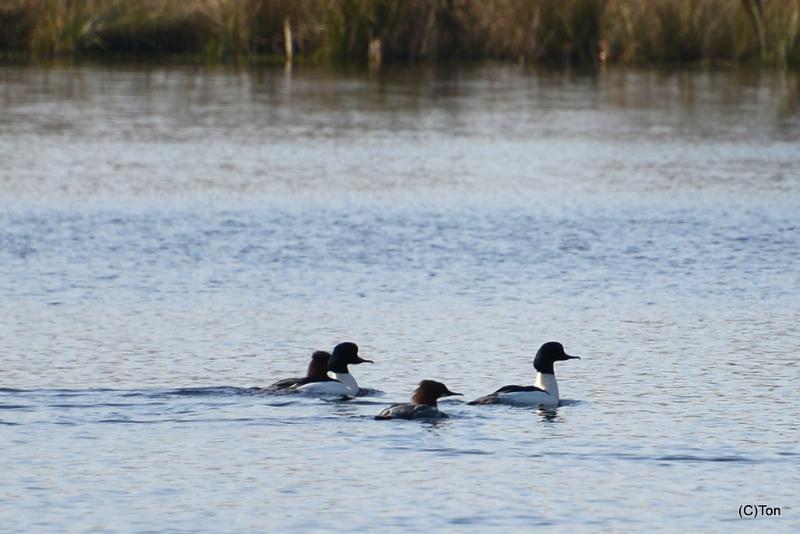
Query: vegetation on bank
{"points": [[556, 31]]}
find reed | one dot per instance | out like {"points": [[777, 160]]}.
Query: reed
{"points": [[557, 31]]}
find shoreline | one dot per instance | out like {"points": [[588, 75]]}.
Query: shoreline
{"points": [[397, 32]]}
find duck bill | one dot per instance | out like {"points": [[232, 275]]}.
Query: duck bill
{"points": [[451, 393], [572, 357], [362, 360]]}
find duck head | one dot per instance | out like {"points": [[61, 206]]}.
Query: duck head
{"points": [[345, 354], [550, 352], [429, 391], [318, 367]]}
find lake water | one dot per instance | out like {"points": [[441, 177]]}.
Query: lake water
{"points": [[172, 236]]}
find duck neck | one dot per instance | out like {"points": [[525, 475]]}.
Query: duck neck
{"points": [[347, 381], [547, 382], [317, 370], [422, 398]]}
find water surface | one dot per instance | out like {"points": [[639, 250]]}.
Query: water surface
{"points": [[171, 237]]}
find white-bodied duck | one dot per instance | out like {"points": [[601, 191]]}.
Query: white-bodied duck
{"points": [[341, 382], [544, 392]]}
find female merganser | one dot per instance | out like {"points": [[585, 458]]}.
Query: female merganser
{"points": [[342, 382], [545, 390], [317, 372], [423, 403]]}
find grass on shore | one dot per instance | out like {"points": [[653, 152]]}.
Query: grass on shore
{"points": [[554, 31]]}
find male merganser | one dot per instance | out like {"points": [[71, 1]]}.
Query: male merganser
{"points": [[545, 390], [423, 403], [342, 382], [317, 372]]}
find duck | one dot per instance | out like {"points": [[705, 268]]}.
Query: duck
{"points": [[317, 372], [544, 392], [423, 403], [341, 383]]}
